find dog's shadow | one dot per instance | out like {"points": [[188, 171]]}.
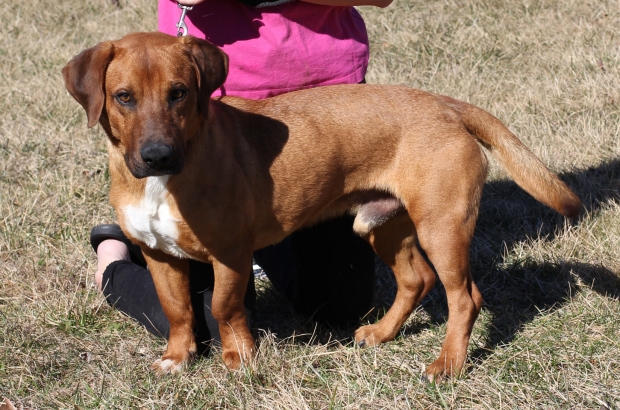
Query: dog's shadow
{"points": [[514, 291]]}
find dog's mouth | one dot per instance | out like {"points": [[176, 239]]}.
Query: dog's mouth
{"points": [[155, 159]]}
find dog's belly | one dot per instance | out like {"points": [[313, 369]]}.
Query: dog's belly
{"points": [[152, 222]]}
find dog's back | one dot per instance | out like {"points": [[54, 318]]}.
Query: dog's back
{"points": [[336, 113]]}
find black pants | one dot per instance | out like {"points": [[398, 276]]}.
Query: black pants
{"points": [[325, 271]]}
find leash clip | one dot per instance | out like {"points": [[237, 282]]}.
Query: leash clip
{"points": [[181, 26]]}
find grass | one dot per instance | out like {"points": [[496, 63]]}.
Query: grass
{"points": [[549, 333]]}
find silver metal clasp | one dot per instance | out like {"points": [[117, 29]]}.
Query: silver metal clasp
{"points": [[181, 26]]}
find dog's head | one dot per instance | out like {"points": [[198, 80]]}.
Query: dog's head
{"points": [[150, 92]]}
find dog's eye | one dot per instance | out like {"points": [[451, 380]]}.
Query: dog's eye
{"points": [[177, 94], [124, 97]]}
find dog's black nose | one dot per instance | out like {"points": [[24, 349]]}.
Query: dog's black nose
{"points": [[157, 155]]}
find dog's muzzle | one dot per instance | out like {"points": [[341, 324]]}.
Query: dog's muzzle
{"points": [[157, 155], [157, 158]]}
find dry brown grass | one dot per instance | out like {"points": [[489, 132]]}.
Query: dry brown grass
{"points": [[549, 335]]}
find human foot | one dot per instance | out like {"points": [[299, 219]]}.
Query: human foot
{"points": [[108, 251]]}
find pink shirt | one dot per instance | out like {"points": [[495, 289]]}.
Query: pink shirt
{"points": [[277, 49]]}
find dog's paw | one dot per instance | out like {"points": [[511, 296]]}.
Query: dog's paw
{"points": [[168, 366], [237, 348], [176, 358], [433, 375], [233, 360], [436, 373], [444, 368], [368, 336]]}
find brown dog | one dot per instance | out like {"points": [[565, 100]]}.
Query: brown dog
{"points": [[215, 179]]}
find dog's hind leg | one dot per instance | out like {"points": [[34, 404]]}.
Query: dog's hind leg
{"points": [[445, 219], [446, 241], [395, 243], [443, 204]]}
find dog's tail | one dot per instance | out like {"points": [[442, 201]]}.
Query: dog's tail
{"points": [[522, 165]]}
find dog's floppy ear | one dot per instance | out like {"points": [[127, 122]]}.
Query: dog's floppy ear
{"points": [[84, 77], [211, 65]]}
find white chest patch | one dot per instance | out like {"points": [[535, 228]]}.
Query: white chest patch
{"points": [[151, 220]]}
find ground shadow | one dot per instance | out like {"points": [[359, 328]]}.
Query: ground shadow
{"points": [[516, 292], [527, 289]]}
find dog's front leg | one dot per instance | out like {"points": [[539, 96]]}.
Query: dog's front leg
{"points": [[231, 280], [171, 277]]}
